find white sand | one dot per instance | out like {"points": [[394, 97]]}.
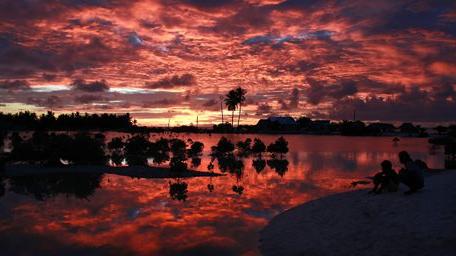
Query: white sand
{"points": [[355, 223]]}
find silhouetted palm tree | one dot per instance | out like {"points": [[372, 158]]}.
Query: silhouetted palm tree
{"points": [[240, 98], [231, 101]]}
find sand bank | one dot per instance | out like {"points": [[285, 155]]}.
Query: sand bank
{"points": [[355, 223]]}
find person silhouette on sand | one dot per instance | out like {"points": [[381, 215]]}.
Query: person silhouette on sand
{"points": [[386, 180], [412, 175]]}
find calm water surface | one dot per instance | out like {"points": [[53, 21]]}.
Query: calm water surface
{"points": [[118, 215]]}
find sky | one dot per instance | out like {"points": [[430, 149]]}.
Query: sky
{"points": [[172, 60]]}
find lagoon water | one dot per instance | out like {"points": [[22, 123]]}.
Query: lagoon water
{"points": [[120, 215]]}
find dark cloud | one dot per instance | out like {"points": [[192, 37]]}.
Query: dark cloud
{"points": [[319, 92], [160, 103], [414, 105], [96, 86], [173, 81], [293, 100], [205, 4], [135, 40], [49, 77], [278, 40], [246, 19], [15, 58], [210, 103], [264, 109], [14, 85], [88, 98], [49, 102], [26, 11]]}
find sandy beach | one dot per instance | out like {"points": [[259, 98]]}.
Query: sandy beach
{"points": [[355, 223]]}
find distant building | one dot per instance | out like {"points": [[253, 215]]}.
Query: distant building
{"points": [[277, 123]]}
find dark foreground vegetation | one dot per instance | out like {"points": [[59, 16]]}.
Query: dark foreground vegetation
{"points": [[63, 150], [84, 148], [30, 121]]}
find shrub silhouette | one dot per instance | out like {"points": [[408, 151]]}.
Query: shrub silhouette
{"points": [[244, 147], [116, 149], [258, 147], [2, 139], [136, 149], [280, 146], [196, 162], [87, 149], [224, 146], [176, 164], [178, 148], [159, 151], [196, 149]]}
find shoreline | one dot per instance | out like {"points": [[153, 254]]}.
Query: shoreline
{"points": [[355, 223], [130, 171]]}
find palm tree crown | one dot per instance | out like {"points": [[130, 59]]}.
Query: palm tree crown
{"points": [[231, 101]]}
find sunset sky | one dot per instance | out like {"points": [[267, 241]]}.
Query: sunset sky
{"points": [[390, 60]]}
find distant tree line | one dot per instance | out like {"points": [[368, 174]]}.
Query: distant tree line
{"points": [[74, 121]]}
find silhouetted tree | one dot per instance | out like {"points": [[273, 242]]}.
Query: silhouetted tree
{"points": [[231, 101], [136, 149], [280, 146], [177, 164], [116, 149], [244, 147], [195, 149], [178, 148], [441, 129], [258, 146], [196, 162], [74, 121], [303, 122], [159, 150], [223, 146]]}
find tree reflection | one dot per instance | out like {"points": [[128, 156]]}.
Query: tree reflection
{"points": [[280, 166], [259, 164], [43, 187], [210, 186], [238, 189], [229, 163], [178, 190]]}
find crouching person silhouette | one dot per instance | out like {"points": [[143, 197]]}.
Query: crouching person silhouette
{"points": [[386, 180]]}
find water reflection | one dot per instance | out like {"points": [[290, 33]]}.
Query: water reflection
{"points": [[178, 190], [197, 216], [43, 187]]}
